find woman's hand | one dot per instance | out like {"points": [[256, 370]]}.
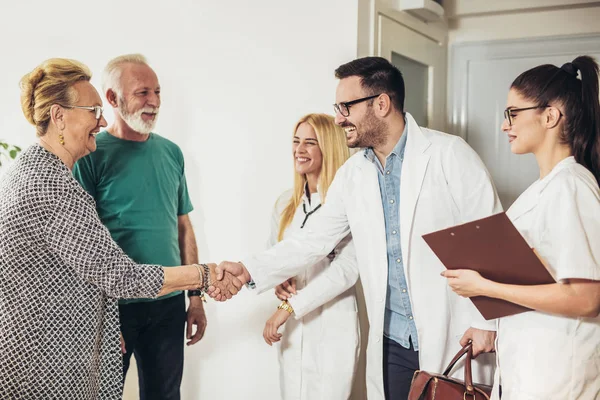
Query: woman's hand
{"points": [[286, 289], [270, 333], [466, 282]]}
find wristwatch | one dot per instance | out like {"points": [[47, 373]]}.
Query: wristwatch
{"points": [[286, 306], [194, 293]]}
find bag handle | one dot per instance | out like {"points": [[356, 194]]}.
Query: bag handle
{"points": [[468, 350]]}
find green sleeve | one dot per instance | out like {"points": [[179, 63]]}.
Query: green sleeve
{"points": [[83, 172], [185, 204]]}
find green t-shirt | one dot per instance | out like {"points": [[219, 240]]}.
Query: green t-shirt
{"points": [[140, 190]]}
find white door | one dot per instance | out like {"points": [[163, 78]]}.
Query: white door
{"points": [[481, 74], [419, 51]]}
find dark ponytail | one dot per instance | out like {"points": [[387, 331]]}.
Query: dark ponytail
{"points": [[579, 101], [589, 146]]}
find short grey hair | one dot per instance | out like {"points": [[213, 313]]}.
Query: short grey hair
{"points": [[112, 72]]}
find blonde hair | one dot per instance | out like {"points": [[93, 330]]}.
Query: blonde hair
{"points": [[332, 143], [50, 83], [111, 77]]}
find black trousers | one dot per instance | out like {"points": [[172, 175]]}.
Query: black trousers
{"points": [[399, 366], [154, 332]]}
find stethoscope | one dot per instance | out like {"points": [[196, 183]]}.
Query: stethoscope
{"points": [[331, 255], [308, 214]]}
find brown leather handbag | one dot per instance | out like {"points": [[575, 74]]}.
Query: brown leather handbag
{"points": [[428, 386]]}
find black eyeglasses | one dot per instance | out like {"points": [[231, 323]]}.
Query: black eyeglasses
{"points": [[508, 112], [344, 107], [96, 109]]}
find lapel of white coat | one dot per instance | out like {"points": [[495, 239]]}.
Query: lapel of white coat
{"points": [[530, 197], [526, 202], [373, 212], [411, 180]]}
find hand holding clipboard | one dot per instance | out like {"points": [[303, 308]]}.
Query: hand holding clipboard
{"points": [[494, 248]]}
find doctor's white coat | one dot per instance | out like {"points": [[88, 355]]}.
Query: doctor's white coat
{"points": [[319, 350], [543, 356], [443, 183]]}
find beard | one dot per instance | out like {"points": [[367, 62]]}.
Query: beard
{"points": [[371, 133], [134, 119]]}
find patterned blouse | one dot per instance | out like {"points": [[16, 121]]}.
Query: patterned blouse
{"points": [[60, 276]]}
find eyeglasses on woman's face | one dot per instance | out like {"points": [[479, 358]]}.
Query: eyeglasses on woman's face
{"points": [[97, 110], [509, 112]]}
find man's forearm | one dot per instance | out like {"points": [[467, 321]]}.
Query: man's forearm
{"points": [[187, 242], [188, 251]]}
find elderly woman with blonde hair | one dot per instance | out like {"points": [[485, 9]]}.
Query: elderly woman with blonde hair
{"points": [[60, 271], [319, 349]]}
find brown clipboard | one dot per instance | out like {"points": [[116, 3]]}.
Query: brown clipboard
{"points": [[493, 247]]}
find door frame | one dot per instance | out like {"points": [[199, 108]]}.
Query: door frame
{"points": [[379, 19], [422, 52]]}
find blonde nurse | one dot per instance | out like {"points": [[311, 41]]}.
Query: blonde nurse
{"points": [[319, 348]]}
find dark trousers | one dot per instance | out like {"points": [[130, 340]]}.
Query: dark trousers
{"points": [[399, 366], [154, 333]]}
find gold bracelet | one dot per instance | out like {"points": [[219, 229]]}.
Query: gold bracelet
{"points": [[286, 306], [200, 275]]}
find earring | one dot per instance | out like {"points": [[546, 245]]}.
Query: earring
{"points": [[61, 138]]}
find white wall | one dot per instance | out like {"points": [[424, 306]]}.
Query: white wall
{"points": [[236, 75]]}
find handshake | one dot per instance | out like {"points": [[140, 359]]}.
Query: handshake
{"points": [[227, 279]]}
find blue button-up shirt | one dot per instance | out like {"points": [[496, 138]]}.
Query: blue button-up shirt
{"points": [[399, 324]]}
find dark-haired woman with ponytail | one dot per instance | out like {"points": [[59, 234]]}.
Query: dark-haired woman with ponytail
{"points": [[554, 351]]}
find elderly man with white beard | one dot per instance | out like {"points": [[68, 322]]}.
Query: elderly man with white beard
{"points": [[138, 182]]}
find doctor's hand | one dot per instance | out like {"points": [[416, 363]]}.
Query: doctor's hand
{"points": [[270, 333], [466, 282], [483, 341], [221, 290], [286, 289]]}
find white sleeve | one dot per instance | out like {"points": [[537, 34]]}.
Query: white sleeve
{"points": [[571, 241], [334, 280], [305, 247], [278, 208], [470, 183], [474, 194], [274, 233]]}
